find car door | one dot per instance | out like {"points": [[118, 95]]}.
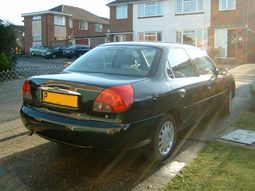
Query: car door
{"points": [[36, 50], [186, 86], [207, 74]]}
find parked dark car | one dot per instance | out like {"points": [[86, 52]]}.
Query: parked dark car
{"points": [[126, 96], [76, 51], [38, 50], [55, 52]]}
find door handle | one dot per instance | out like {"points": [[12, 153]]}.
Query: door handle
{"points": [[182, 92]]}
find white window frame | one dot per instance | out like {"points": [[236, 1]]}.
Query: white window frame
{"points": [[121, 12], [83, 25], [226, 5], [224, 33], [38, 17], [147, 34], [195, 32], [143, 6], [98, 27], [70, 23], [59, 20], [121, 37], [183, 4]]}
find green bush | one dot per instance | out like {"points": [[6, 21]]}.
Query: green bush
{"points": [[4, 62]]}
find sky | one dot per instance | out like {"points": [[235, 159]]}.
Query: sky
{"points": [[11, 10]]}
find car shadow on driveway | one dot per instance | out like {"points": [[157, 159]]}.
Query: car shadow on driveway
{"points": [[51, 166]]}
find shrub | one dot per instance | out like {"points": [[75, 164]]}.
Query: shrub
{"points": [[4, 62]]}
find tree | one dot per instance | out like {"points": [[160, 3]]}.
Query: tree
{"points": [[7, 44]]}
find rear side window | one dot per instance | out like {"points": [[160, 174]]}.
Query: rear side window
{"points": [[123, 60], [180, 63], [202, 61]]}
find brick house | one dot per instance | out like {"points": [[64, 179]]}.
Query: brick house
{"points": [[225, 28], [160, 20], [232, 31], [64, 25], [121, 21]]}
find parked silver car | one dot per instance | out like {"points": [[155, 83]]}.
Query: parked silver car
{"points": [[38, 50]]}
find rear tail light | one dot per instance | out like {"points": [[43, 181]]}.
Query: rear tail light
{"points": [[26, 88], [114, 99]]}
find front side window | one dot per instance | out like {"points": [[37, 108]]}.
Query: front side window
{"points": [[83, 25], [180, 63], [227, 5], [189, 6], [118, 60], [150, 36], [203, 63], [98, 28], [121, 12], [59, 20], [150, 9]]}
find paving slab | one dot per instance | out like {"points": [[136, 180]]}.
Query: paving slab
{"points": [[240, 136]]}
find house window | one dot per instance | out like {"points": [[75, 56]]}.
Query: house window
{"points": [[195, 38], [227, 5], [70, 23], [150, 9], [59, 20], [120, 38], [189, 6], [150, 36], [98, 28], [37, 29], [121, 12], [35, 18], [83, 25]]}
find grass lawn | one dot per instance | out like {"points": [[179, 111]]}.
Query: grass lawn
{"points": [[220, 166], [246, 121]]}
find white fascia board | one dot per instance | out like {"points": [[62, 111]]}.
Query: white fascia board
{"points": [[44, 12], [133, 2]]}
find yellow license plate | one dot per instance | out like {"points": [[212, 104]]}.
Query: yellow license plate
{"points": [[60, 99]]}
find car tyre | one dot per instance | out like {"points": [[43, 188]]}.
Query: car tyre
{"points": [[227, 107], [54, 56], [32, 53], [163, 141]]}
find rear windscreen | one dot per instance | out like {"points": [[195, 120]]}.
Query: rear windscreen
{"points": [[123, 60]]}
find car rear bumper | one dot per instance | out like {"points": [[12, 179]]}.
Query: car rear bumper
{"points": [[87, 133]]}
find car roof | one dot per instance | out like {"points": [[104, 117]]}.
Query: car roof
{"points": [[162, 45]]}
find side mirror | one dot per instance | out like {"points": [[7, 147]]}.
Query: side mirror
{"points": [[221, 71]]}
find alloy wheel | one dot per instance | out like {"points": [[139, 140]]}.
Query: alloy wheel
{"points": [[166, 138]]}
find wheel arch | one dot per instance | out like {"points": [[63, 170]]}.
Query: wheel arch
{"points": [[233, 89], [176, 115]]}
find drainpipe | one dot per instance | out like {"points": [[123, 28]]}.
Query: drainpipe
{"points": [[247, 30]]}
